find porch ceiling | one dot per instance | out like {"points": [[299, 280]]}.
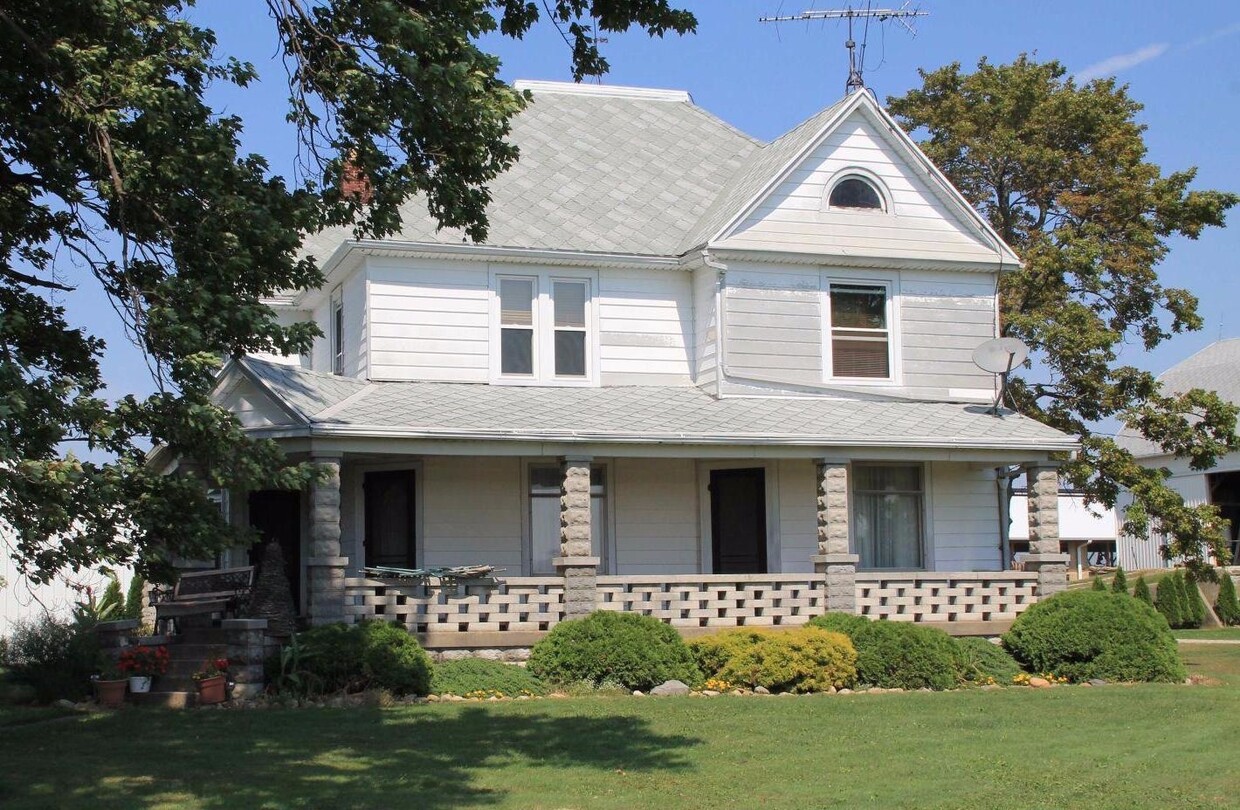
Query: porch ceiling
{"points": [[333, 406]]}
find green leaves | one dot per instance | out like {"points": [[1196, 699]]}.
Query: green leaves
{"points": [[1060, 171]]}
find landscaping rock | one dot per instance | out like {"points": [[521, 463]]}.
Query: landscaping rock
{"points": [[710, 693], [638, 693], [1097, 682], [990, 687], [65, 704], [761, 690], [670, 688], [845, 691], [1039, 683]]}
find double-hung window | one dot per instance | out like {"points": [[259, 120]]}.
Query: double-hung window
{"points": [[544, 329], [337, 330], [888, 504], [860, 331]]}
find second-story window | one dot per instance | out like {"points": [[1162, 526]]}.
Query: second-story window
{"points": [[516, 318], [569, 299], [860, 331], [337, 335]]}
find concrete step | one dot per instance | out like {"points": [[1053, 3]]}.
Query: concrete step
{"points": [[165, 699]]}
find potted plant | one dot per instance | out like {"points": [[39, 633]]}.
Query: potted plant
{"points": [[110, 685], [141, 663], [211, 680]]}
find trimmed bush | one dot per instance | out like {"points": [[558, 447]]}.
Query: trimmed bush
{"points": [[897, 654], [471, 675], [979, 659], [634, 651], [1120, 583], [1080, 635], [133, 598], [1226, 606], [1142, 591], [1170, 601], [369, 655], [1196, 604], [54, 657], [806, 659], [1099, 585]]}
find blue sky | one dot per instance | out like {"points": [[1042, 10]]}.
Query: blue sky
{"points": [[1179, 61]]}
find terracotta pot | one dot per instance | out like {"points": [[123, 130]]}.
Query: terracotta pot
{"points": [[211, 690], [139, 684], [111, 693]]}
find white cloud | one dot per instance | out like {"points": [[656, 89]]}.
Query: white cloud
{"points": [[1115, 64]]}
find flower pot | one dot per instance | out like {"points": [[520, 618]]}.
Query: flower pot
{"points": [[139, 684], [211, 690], [111, 693]]}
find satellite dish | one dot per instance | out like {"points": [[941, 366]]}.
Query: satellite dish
{"points": [[1000, 356]]}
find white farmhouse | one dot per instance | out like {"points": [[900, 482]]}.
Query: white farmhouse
{"points": [[718, 381]]}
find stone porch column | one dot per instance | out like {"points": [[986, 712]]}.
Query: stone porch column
{"points": [[833, 557], [326, 567], [1045, 556], [576, 563]]}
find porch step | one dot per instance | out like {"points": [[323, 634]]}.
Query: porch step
{"points": [[165, 700]]}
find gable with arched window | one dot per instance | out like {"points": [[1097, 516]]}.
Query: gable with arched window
{"points": [[853, 191]]}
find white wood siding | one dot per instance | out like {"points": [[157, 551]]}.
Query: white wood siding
{"points": [[964, 518], [428, 321], [645, 327], [943, 317], [919, 226], [706, 327], [252, 407], [656, 516], [471, 512], [286, 316], [353, 296], [772, 323], [798, 516]]}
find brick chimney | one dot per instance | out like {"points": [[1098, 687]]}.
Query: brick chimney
{"points": [[354, 184]]}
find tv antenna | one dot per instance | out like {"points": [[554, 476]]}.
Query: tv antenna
{"points": [[1000, 356], [856, 64]]}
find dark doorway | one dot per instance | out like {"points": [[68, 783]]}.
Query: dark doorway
{"points": [[276, 515], [738, 520], [1225, 494], [390, 519]]}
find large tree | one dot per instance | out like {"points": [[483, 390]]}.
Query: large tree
{"points": [[1060, 170], [117, 171]]}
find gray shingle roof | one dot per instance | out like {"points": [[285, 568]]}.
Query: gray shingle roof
{"points": [[638, 414], [597, 173], [1214, 368]]}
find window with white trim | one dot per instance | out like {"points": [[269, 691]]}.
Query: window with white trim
{"points": [[544, 329], [337, 330], [860, 332], [857, 193], [888, 515], [545, 482]]}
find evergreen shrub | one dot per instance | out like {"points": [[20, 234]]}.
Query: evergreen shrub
{"points": [[805, 659], [1142, 591], [897, 654], [1196, 604], [1099, 585], [1080, 635], [472, 675], [1171, 602], [370, 655], [1226, 606], [979, 659], [628, 649], [1120, 583]]}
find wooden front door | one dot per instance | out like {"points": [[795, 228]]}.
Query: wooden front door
{"points": [[738, 520], [276, 515], [390, 524]]}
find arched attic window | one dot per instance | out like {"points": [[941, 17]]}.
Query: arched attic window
{"points": [[857, 193]]}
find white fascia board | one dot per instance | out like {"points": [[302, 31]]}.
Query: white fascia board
{"points": [[602, 90], [243, 368], [780, 256]]}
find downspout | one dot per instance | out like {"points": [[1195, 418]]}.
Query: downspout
{"points": [[1003, 488], [721, 351]]}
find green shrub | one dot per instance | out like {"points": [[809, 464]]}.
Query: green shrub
{"points": [[1142, 591], [1120, 583], [1099, 585], [635, 651], [979, 659], [1170, 601], [54, 657], [1080, 635], [1226, 606], [133, 598], [466, 675], [343, 658], [805, 659], [1196, 604], [897, 654]]}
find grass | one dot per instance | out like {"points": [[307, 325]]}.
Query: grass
{"points": [[1211, 634], [1069, 746]]}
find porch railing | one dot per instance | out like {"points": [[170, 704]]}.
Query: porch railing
{"points": [[717, 600], [946, 597], [510, 604]]}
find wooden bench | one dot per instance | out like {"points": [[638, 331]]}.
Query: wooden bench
{"points": [[220, 590]]}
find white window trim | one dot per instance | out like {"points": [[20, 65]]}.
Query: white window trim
{"points": [[884, 194], [889, 281], [607, 555], [927, 531], [544, 329], [335, 356]]}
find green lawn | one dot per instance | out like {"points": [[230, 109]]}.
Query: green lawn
{"points": [[1214, 633], [1070, 746]]}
